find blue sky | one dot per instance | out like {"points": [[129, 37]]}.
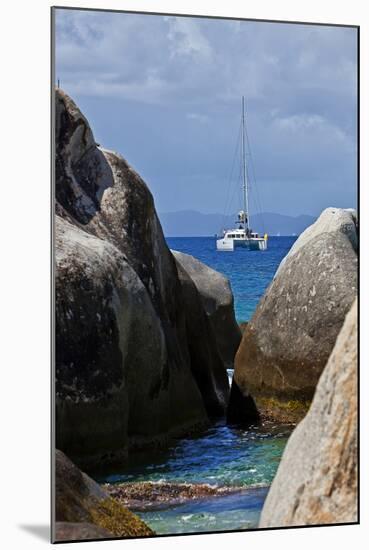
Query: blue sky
{"points": [[166, 93]]}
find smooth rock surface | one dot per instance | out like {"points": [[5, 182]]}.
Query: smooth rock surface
{"points": [[80, 500], [217, 298], [316, 482], [287, 343], [331, 221]]}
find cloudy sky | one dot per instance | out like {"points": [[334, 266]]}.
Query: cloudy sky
{"points": [[166, 93]]}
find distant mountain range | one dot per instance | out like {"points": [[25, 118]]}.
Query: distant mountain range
{"points": [[189, 223]]}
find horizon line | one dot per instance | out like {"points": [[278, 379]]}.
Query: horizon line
{"points": [[187, 210], [216, 236]]}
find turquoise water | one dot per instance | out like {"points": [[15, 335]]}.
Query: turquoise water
{"points": [[230, 513], [249, 272], [221, 455]]}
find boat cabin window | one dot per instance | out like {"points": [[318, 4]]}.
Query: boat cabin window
{"points": [[235, 235]]}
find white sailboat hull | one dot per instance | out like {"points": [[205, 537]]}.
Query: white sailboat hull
{"points": [[228, 245], [225, 245], [258, 244]]}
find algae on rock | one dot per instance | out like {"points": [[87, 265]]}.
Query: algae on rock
{"points": [[81, 502]]}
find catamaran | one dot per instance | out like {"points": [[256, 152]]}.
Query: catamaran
{"points": [[242, 236]]}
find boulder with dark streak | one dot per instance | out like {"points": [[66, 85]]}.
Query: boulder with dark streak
{"points": [[287, 343], [128, 372], [114, 387]]}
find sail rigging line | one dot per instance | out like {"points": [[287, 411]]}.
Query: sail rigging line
{"points": [[255, 196], [254, 177], [239, 180], [236, 187], [246, 215], [228, 200], [227, 203]]}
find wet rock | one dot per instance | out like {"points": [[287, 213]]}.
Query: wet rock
{"points": [[80, 500], [286, 344], [146, 495], [242, 409], [217, 298], [316, 482]]}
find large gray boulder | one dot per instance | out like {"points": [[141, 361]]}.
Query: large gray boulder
{"points": [[126, 373], [207, 365], [216, 295], [316, 482], [114, 386], [83, 510], [287, 343], [98, 190]]}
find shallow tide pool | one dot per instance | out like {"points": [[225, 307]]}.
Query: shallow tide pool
{"points": [[221, 456]]}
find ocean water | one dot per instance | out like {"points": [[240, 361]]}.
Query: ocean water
{"points": [[221, 455], [228, 513], [249, 271]]}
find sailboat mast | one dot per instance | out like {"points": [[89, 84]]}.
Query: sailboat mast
{"points": [[244, 172]]}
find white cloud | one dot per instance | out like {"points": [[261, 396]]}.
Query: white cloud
{"points": [[198, 117], [312, 127], [187, 38], [185, 60], [299, 83], [296, 123]]}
